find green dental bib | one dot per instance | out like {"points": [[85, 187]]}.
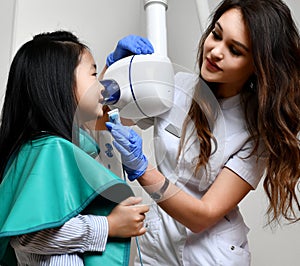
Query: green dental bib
{"points": [[51, 180]]}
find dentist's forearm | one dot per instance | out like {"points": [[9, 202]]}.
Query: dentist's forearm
{"points": [[178, 204]]}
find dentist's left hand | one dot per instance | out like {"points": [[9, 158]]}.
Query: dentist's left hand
{"points": [[130, 45], [130, 145]]}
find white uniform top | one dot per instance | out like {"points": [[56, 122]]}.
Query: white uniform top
{"points": [[168, 242]]}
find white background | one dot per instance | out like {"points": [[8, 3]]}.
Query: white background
{"points": [[100, 24]]}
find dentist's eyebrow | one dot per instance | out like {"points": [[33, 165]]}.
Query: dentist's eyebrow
{"points": [[243, 46], [219, 25]]}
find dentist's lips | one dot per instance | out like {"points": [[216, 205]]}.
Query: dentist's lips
{"points": [[212, 67]]}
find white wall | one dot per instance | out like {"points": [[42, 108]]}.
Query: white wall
{"points": [[7, 10], [100, 23]]}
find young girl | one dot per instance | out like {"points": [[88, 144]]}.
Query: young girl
{"points": [[249, 60], [59, 206]]}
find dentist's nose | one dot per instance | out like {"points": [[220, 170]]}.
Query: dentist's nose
{"points": [[217, 53]]}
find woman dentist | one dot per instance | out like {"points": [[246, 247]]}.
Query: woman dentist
{"points": [[204, 171]]}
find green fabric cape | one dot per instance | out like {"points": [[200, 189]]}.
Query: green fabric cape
{"points": [[51, 180]]}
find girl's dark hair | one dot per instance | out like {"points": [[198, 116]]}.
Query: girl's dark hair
{"points": [[271, 104], [40, 91]]}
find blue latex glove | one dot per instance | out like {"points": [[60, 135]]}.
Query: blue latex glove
{"points": [[130, 45], [129, 144]]}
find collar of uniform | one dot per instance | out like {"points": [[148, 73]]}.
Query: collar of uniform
{"points": [[230, 102]]}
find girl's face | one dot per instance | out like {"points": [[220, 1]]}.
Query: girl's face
{"points": [[227, 55], [88, 89]]}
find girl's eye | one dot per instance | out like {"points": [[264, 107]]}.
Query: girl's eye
{"points": [[95, 74], [216, 35]]}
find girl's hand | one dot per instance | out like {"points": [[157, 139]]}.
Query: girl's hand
{"points": [[127, 218]]}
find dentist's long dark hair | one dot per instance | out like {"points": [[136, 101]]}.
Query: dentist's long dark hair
{"points": [[40, 92], [272, 104]]}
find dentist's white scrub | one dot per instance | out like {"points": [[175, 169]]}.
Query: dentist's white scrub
{"points": [[167, 242]]}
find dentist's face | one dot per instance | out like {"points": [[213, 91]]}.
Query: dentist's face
{"points": [[88, 89], [227, 55]]}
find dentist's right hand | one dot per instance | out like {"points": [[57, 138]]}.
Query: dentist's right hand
{"points": [[129, 144], [130, 45]]}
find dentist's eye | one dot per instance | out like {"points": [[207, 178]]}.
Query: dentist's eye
{"points": [[234, 51], [216, 35]]}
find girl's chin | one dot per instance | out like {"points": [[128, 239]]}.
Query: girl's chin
{"points": [[100, 113]]}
